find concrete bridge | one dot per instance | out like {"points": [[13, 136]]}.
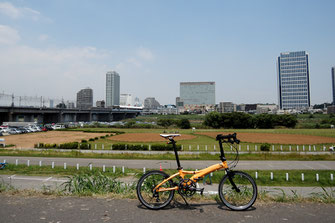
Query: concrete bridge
{"points": [[61, 115]]}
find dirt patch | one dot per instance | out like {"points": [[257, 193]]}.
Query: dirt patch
{"points": [[28, 140], [146, 137], [276, 138]]}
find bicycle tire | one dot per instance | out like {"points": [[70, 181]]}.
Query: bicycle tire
{"points": [[242, 200], [145, 187]]}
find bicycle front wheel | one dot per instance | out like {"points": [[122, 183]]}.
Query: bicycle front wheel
{"points": [[148, 197], [240, 197]]}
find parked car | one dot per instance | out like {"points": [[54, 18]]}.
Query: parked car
{"points": [[59, 126]]}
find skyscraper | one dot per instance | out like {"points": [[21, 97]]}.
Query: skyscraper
{"points": [[333, 84], [293, 80], [112, 88], [85, 98]]}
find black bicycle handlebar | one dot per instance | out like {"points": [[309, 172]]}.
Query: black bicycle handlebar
{"points": [[231, 138]]}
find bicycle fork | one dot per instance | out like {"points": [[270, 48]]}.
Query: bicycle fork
{"points": [[230, 177]]}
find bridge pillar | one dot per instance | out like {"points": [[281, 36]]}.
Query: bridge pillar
{"points": [[60, 117], [10, 116], [90, 117]]}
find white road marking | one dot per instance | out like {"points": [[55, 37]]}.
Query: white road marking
{"points": [[12, 176], [48, 179]]}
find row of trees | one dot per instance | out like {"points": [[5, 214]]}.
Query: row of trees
{"points": [[183, 123], [238, 120]]}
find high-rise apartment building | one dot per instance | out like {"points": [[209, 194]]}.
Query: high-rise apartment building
{"points": [[293, 80], [112, 88], [197, 93], [333, 84], [85, 98]]}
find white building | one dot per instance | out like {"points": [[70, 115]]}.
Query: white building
{"points": [[126, 99]]}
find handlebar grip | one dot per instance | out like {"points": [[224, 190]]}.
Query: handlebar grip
{"points": [[230, 138]]}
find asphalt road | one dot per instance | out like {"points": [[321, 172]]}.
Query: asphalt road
{"points": [[87, 209], [171, 164]]}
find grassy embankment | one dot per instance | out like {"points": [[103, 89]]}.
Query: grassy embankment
{"points": [[279, 176]]}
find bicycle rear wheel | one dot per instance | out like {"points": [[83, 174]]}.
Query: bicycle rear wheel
{"points": [[243, 196], [146, 195]]}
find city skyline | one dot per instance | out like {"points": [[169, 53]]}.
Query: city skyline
{"points": [[154, 45]]}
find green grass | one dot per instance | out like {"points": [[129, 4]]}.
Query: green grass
{"points": [[167, 156], [279, 178], [35, 170]]}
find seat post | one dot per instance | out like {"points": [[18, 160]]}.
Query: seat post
{"points": [[176, 153]]}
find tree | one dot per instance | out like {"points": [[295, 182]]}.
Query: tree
{"points": [[213, 120], [184, 123], [165, 122], [265, 121]]}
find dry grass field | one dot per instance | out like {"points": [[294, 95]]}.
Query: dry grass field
{"points": [[28, 140]]}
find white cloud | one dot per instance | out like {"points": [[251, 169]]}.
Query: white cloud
{"points": [[14, 12], [8, 35], [145, 54], [9, 10]]}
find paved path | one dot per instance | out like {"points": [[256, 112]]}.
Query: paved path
{"points": [[41, 183], [184, 152], [171, 164], [86, 209]]}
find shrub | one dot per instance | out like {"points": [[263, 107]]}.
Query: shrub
{"points": [[69, 145], [119, 146], [85, 146], [162, 147], [102, 137], [84, 141], [165, 122], [96, 138], [91, 140], [130, 147], [184, 123], [265, 147]]}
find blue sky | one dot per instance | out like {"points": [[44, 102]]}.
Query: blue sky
{"points": [[56, 48]]}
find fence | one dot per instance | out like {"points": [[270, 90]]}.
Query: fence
{"points": [[104, 169], [241, 148]]}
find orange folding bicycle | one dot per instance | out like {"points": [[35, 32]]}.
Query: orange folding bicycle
{"points": [[237, 190]]}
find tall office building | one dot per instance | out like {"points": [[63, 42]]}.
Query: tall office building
{"points": [[293, 80], [112, 88], [85, 98], [333, 84], [197, 93]]}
